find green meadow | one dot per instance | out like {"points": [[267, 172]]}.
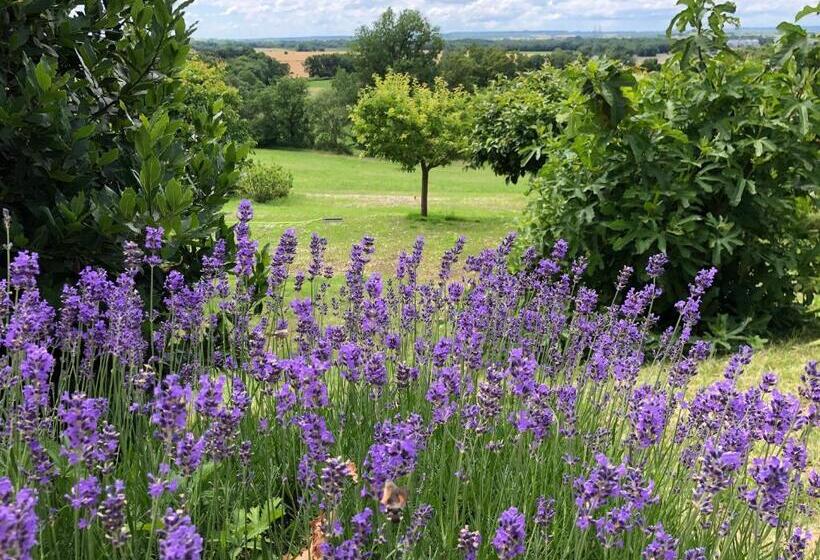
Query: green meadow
{"points": [[345, 197]]}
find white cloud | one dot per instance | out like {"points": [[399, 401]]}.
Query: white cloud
{"points": [[294, 18]]}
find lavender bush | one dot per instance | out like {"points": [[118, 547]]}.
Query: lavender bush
{"points": [[483, 414]]}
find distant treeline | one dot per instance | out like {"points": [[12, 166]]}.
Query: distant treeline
{"points": [[588, 46], [299, 45], [617, 47]]}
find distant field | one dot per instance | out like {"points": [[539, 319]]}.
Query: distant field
{"points": [[375, 197], [318, 84], [296, 59]]}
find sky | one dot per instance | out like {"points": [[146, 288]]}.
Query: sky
{"points": [[248, 19]]}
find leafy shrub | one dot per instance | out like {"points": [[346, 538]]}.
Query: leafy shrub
{"points": [[203, 86], [263, 182], [712, 160], [512, 116], [490, 412], [95, 139]]}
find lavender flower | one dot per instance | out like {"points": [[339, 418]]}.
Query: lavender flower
{"points": [[112, 514], [695, 554], [395, 448], [418, 522], [559, 249], [245, 246], [84, 496], [662, 547], [153, 238], [468, 542], [362, 525], [508, 541], [656, 264], [88, 439], [18, 521], [797, 544], [153, 244], [24, 270], [170, 408], [772, 476], [332, 478], [647, 414], [544, 511], [179, 539]]}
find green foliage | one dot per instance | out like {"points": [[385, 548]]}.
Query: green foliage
{"points": [[329, 113], [712, 160], [246, 69], [405, 43], [406, 122], [95, 139], [622, 48], [263, 182], [326, 65], [244, 531], [650, 64], [476, 66], [205, 91], [706, 19], [280, 114], [512, 117]]}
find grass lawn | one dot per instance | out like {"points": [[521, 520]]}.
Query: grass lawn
{"points": [[315, 86], [377, 198]]}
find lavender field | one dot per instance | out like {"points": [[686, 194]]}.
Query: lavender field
{"points": [[484, 414]]}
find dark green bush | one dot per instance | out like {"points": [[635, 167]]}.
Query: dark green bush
{"points": [[263, 182], [280, 114], [712, 160], [512, 116], [326, 65], [329, 114], [94, 145]]}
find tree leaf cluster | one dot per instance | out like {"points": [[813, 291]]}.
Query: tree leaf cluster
{"points": [[96, 141]]}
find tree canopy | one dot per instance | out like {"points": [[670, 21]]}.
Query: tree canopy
{"points": [[475, 66], [405, 43], [414, 125], [514, 115], [94, 143]]}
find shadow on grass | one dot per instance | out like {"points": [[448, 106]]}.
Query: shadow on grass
{"points": [[448, 218]]}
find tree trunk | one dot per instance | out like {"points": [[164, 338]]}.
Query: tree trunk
{"points": [[425, 181]]}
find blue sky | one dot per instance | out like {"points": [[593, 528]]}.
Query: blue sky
{"points": [[244, 19]]}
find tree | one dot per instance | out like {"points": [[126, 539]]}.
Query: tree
{"points": [[326, 65], [512, 117], [405, 44], [330, 113], [246, 69], [476, 66], [202, 85], [94, 144], [411, 124], [280, 114]]}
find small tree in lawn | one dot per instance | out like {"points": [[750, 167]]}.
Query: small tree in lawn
{"points": [[401, 120]]}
